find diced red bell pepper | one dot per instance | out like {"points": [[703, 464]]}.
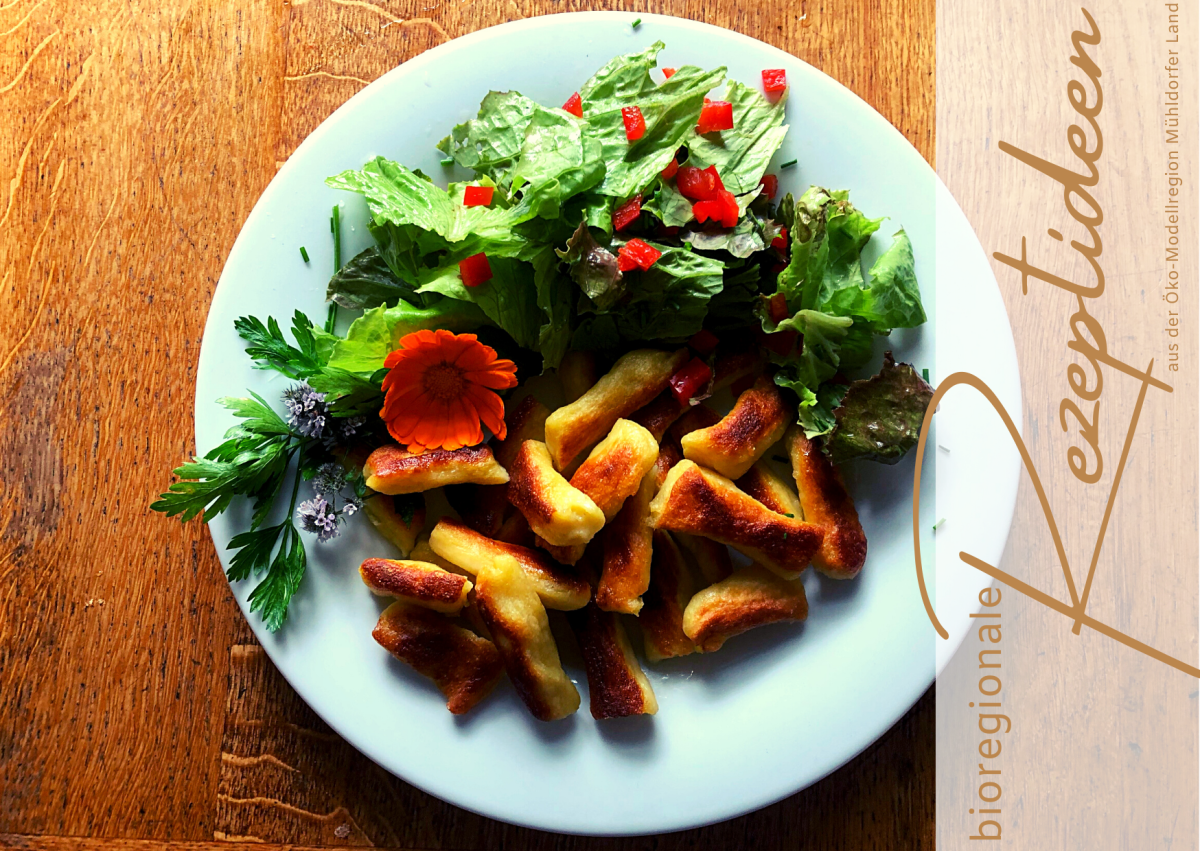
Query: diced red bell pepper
{"points": [[774, 80], [723, 209], [627, 213], [635, 123], [780, 241], [671, 169], [641, 255], [574, 105], [699, 184], [478, 196], [770, 185], [690, 380], [714, 116], [777, 308], [663, 230], [703, 342], [668, 73], [475, 270]]}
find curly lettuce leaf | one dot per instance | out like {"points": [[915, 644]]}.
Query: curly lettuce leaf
{"points": [[880, 418], [828, 236], [742, 154], [557, 161], [489, 143], [400, 197], [377, 332], [670, 108], [892, 298]]}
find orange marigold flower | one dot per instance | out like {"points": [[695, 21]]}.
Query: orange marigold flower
{"points": [[440, 386]]}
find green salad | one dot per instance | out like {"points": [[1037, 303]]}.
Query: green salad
{"points": [[643, 212]]}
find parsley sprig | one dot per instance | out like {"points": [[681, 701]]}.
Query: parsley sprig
{"points": [[253, 460]]}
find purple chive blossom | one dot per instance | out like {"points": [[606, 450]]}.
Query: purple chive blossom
{"points": [[307, 413], [319, 517], [347, 427]]}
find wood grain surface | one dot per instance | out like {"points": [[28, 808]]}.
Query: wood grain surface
{"points": [[135, 706]]}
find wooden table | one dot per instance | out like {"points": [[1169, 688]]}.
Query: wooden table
{"points": [[135, 705]]}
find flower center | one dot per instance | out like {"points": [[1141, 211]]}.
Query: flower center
{"points": [[444, 382]]}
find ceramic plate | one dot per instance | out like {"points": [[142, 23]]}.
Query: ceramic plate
{"points": [[776, 709]]}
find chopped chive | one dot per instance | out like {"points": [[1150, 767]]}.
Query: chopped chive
{"points": [[335, 227], [938, 524], [637, 22], [789, 163], [447, 160], [944, 449], [925, 375], [785, 534], [304, 253], [793, 516]]}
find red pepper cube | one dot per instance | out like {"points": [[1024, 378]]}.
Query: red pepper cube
{"points": [[625, 262], [642, 254], [475, 270], [716, 178], [478, 196], [730, 212], [627, 213], [690, 380], [635, 124], [697, 184], [770, 185], [774, 80], [668, 73], [671, 169], [705, 210], [780, 241], [715, 116], [777, 308], [704, 342], [574, 105]]}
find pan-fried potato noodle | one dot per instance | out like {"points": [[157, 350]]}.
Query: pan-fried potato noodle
{"points": [[393, 470], [517, 620], [635, 379], [702, 502]]}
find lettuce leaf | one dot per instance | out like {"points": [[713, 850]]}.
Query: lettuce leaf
{"points": [[742, 154], [892, 298], [594, 268], [880, 418], [670, 108], [557, 161], [400, 197], [828, 236], [489, 143], [554, 296], [669, 205], [378, 331], [509, 299], [368, 281], [667, 302]]}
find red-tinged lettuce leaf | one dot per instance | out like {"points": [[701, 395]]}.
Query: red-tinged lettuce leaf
{"points": [[880, 418], [594, 268]]}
